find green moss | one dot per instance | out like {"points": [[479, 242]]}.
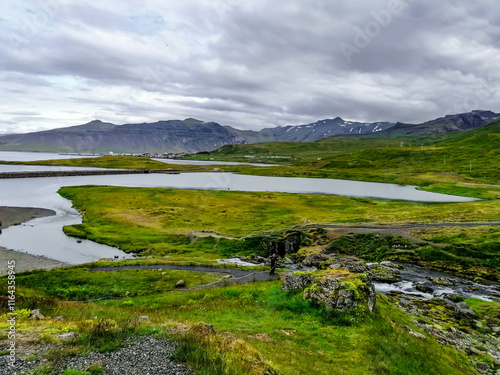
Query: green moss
{"points": [[314, 287]]}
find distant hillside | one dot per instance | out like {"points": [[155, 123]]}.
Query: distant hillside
{"points": [[310, 132], [447, 124], [189, 135], [193, 136]]}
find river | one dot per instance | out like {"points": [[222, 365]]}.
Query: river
{"points": [[45, 237]]}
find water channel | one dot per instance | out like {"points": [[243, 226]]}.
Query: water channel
{"points": [[44, 236]]}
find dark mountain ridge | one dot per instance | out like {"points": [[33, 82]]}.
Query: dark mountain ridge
{"points": [[447, 124], [191, 135], [310, 132]]}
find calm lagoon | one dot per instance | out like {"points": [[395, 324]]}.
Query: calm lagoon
{"points": [[44, 236]]}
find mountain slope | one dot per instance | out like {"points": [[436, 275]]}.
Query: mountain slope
{"points": [[447, 124], [189, 135], [310, 132], [192, 135]]}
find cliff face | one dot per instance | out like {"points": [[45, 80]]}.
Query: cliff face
{"points": [[164, 136]]}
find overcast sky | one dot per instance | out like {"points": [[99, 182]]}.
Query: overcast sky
{"points": [[246, 63]]}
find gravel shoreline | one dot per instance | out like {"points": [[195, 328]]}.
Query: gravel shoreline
{"points": [[24, 262], [139, 355]]}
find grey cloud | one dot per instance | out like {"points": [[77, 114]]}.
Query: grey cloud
{"points": [[250, 64]]}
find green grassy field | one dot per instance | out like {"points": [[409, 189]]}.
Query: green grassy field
{"points": [[259, 327], [189, 223], [259, 320]]}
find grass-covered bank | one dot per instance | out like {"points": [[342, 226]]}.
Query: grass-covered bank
{"points": [[257, 321], [118, 162], [189, 224]]}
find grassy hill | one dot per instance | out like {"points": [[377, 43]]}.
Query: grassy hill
{"points": [[465, 157]]}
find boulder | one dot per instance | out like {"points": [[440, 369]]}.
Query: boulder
{"points": [[36, 315], [317, 260], [424, 288], [464, 311], [352, 264], [180, 284], [342, 291], [257, 259], [296, 281], [446, 281], [385, 274]]}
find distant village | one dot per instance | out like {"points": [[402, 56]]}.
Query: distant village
{"points": [[165, 155]]}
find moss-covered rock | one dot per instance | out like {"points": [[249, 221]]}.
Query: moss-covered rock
{"points": [[335, 289], [385, 274]]}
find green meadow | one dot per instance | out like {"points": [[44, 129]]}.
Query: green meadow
{"points": [[260, 329], [264, 328]]}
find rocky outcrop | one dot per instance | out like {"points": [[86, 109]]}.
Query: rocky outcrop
{"points": [[297, 281], [334, 261], [385, 274], [446, 281], [464, 311], [334, 289], [287, 244]]}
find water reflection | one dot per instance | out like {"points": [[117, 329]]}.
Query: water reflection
{"points": [[45, 237]]}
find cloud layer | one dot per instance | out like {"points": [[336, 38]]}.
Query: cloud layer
{"points": [[249, 64]]}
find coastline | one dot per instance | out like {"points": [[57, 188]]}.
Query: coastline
{"points": [[23, 261]]}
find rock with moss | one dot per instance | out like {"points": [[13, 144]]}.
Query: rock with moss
{"points": [[334, 289], [464, 311], [317, 260], [350, 263], [342, 291], [296, 281], [288, 243], [446, 281], [385, 274], [424, 288]]}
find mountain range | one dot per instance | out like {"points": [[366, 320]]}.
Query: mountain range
{"points": [[191, 135]]}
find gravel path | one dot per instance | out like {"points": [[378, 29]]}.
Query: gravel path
{"points": [[144, 355], [239, 276], [404, 226]]}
